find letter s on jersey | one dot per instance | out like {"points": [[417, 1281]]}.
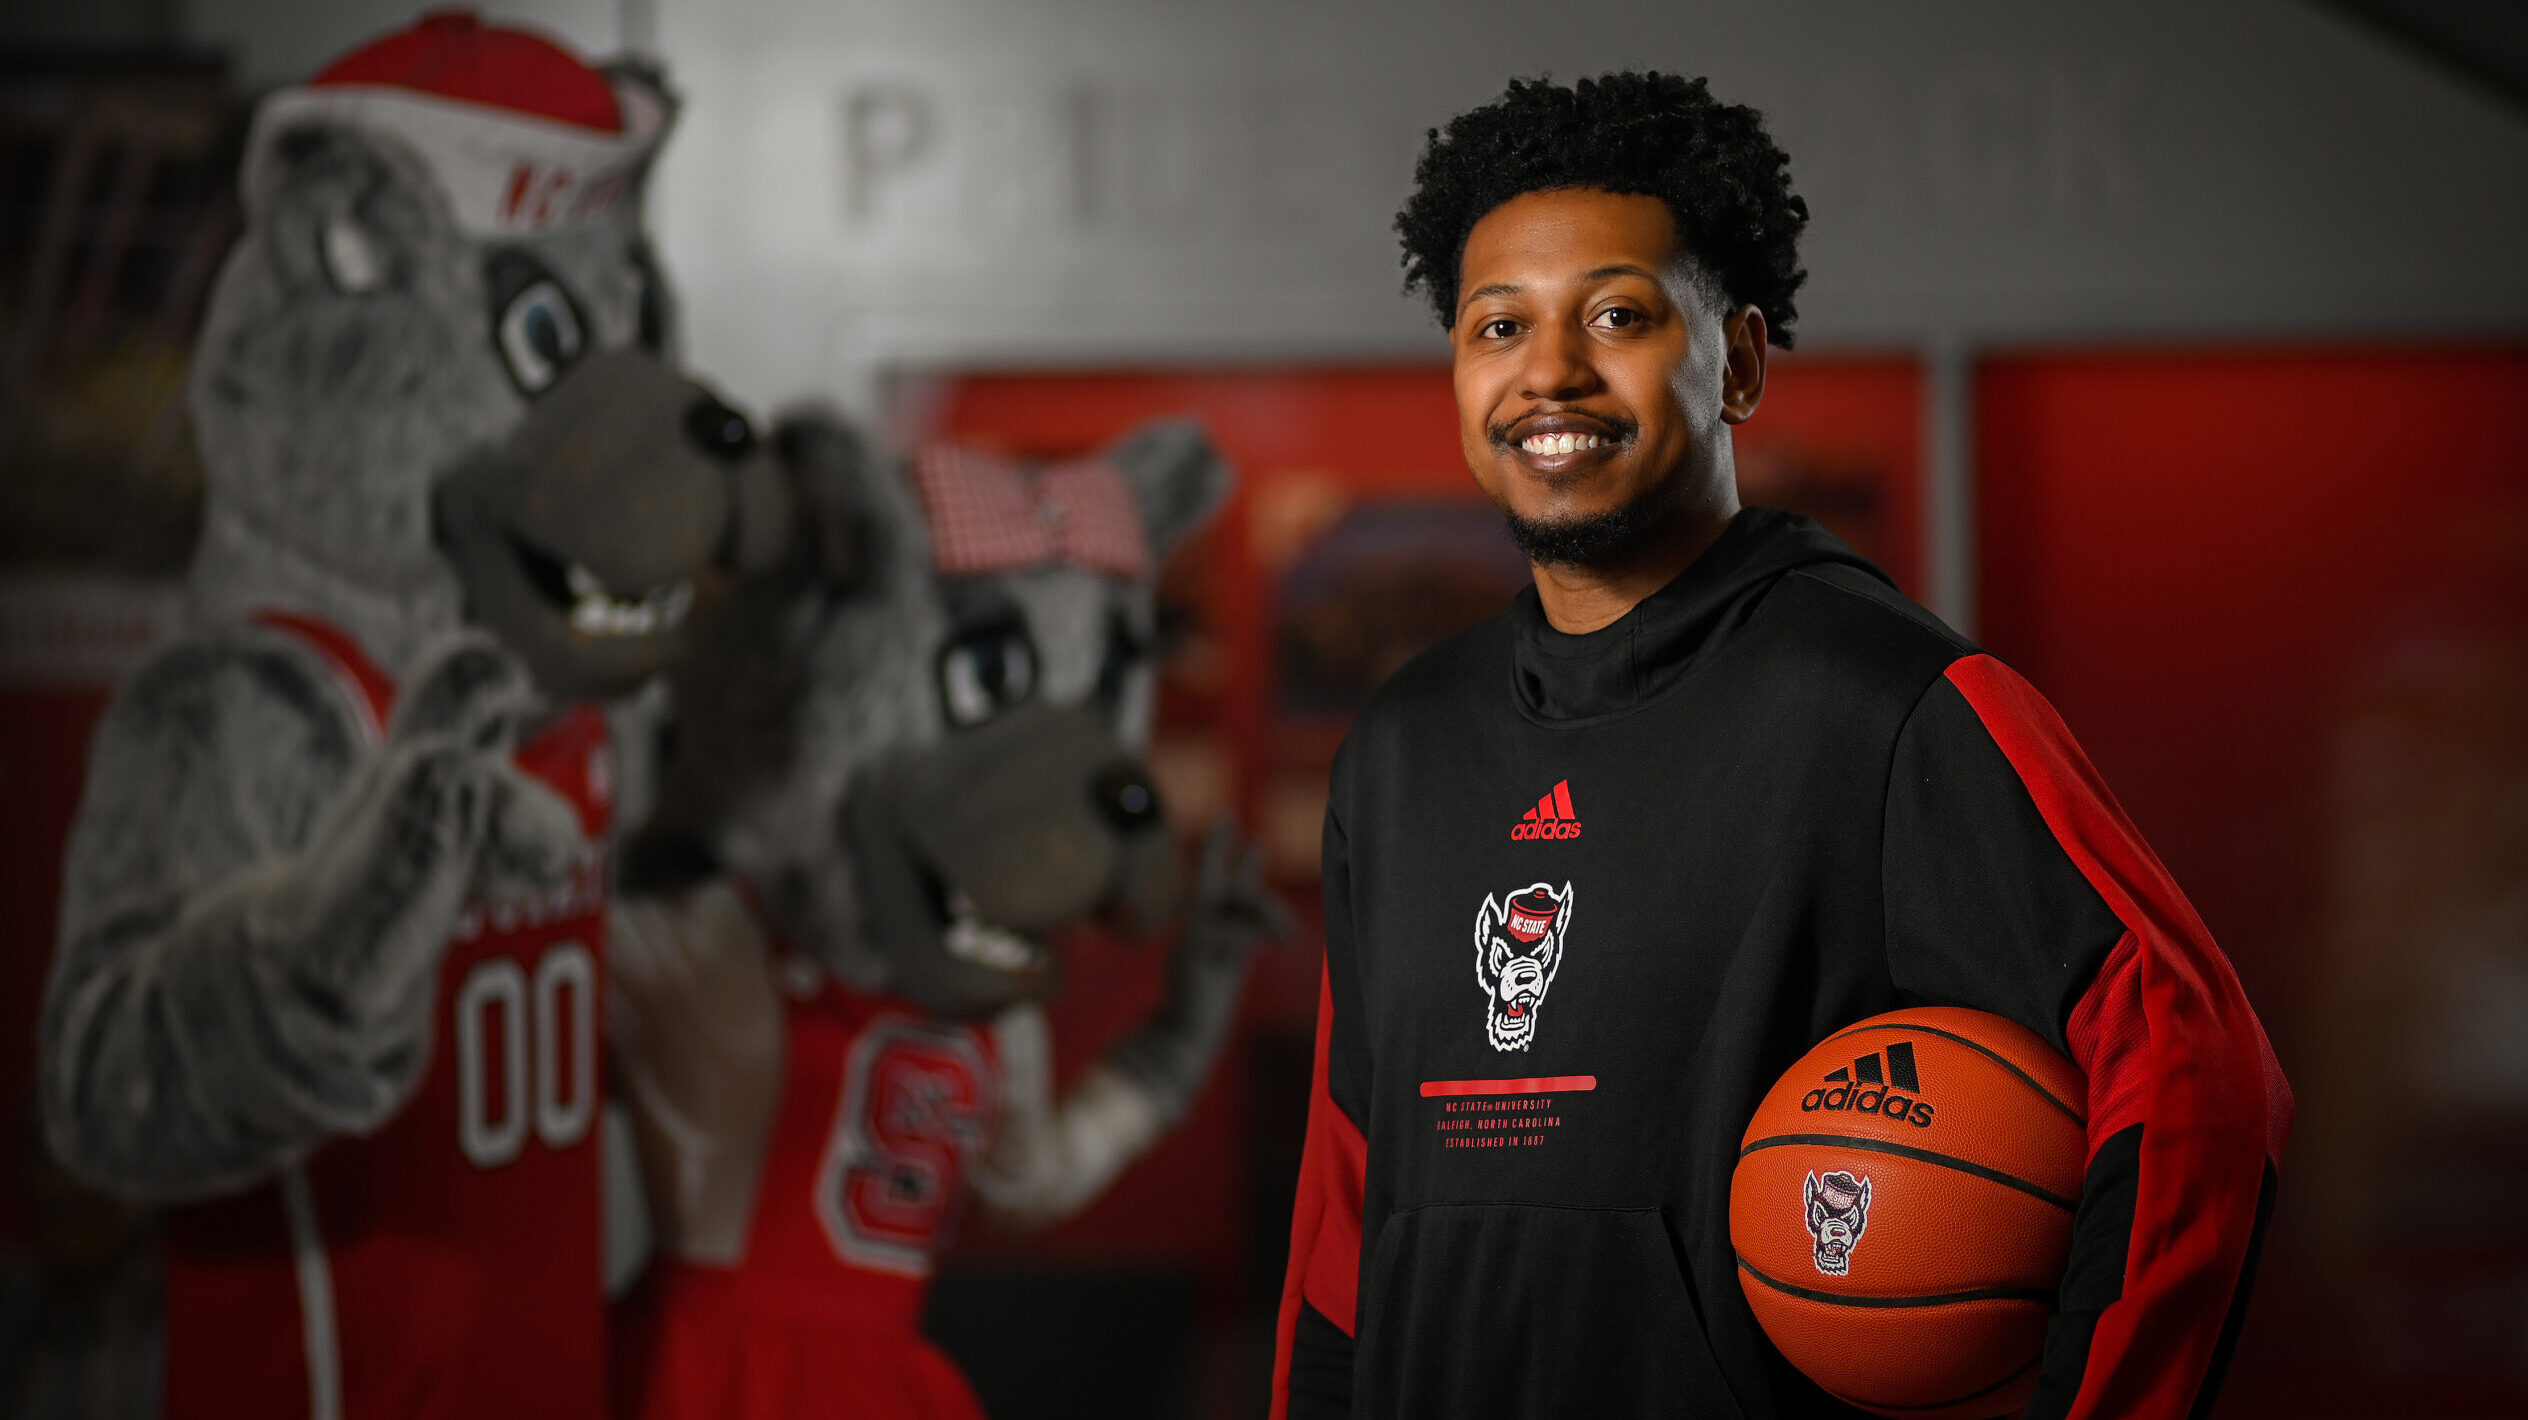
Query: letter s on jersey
{"points": [[919, 1104]]}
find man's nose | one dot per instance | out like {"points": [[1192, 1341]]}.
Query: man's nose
{"points": [[1559, 366]]}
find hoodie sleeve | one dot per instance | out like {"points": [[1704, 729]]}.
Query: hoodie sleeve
{"points": [[1312, 1362], [2015, 884]]}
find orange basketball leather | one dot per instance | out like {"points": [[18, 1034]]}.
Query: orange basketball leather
{"points": [[1902, 1209]]}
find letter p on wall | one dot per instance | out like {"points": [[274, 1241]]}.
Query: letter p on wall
{"points": [[887, 128]]}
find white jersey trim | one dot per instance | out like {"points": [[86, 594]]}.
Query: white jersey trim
{"points": [[315, 1296]]}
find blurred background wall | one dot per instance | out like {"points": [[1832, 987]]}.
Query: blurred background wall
{"points": [[2180, 351]]}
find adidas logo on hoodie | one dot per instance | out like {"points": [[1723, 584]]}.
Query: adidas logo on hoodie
{"points": [[1553, 817]]}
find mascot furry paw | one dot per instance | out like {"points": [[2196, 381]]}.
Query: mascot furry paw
{"points": [[914, 753], [333, 926]]}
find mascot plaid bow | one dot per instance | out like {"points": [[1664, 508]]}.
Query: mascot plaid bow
{"points": [[993, 514]]}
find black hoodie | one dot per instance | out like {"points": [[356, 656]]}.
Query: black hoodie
{"points": [[1587, 896]]}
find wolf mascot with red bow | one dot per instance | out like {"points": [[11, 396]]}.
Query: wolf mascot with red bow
{"points": [[901, 768], [333, 937]]}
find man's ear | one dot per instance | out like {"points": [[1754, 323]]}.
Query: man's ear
{"points": [[1744, 345], [343, 210], [1177, 478]]}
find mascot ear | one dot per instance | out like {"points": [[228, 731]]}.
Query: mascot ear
{"points": [[854, 518], [340, 210], [737, 688], [641, 88], [1177, 477]]}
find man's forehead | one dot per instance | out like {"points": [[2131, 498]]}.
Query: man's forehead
{"points": [[1569, 235]]}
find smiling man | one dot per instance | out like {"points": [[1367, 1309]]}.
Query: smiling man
{"points": [[1600, 869]]}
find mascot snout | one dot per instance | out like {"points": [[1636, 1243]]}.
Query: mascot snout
{"points": [[584, 539], [985, 843]]}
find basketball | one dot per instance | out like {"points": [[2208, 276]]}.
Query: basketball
{"points": [[1902, 1210]]}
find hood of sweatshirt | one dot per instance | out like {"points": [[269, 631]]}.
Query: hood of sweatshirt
{"points": [[1562, 679]]}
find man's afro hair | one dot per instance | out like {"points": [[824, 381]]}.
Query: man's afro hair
{"points": [[1656, 135]]}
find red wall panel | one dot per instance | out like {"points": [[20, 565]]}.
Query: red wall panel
{"points": [[44, 732], [2283, 599]]}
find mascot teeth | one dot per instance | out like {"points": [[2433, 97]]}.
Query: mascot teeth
{"points": [[971, 939], [596, 612]]}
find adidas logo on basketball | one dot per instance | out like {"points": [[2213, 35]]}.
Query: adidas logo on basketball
{"points": [[1884, 1083], [1553, 817]]}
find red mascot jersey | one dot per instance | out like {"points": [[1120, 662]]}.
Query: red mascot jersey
{"points": [[452, 1263], [883, 1112]]}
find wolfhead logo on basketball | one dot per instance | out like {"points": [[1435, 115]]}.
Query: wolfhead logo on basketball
{"points": [[1838, 1211], [1518, 948], [1553, 816], [1864, 1086]]}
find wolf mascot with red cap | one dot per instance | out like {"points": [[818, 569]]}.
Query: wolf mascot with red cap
{"points": [[333, 932]]}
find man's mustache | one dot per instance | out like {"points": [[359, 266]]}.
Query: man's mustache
{"points": [[1614, 428]]}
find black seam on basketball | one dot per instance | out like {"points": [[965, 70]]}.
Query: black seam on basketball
{"points": [[1937, 1299], [1940, 1404], [1908, 1151], [1997, 1058]]}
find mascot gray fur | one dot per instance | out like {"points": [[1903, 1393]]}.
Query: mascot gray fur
{"points": [[333, 927], [899, 767]]}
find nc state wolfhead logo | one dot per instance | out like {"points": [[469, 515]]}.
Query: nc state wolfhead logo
{"points": [[1518, 946], [1838, 1211]]}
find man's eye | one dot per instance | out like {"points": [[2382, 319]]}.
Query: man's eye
{"points": [[1618, 317], [1499, 328]]}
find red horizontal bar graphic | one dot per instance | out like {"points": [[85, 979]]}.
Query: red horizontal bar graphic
{"points": [[1534, 1085]]}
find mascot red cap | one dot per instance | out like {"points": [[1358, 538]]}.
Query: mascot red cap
{"points": [[522, 135], [1532, 913]]}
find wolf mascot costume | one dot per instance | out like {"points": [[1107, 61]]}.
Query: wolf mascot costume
{"points": [[333, 932], [913, 756]]}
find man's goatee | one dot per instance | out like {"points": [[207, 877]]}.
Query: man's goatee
{"points": [[1588, 540]]}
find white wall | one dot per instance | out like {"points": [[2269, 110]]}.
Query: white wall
{"points": [[861, 183]]}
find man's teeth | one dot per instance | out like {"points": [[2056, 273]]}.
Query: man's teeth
{"points": [[596, 612], [1547, 444], [971, 939]]}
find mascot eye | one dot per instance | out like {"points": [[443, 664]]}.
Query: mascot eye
{"points": [[539, 336], [984, 673]]}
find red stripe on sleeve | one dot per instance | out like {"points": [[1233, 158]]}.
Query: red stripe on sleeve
{"points": [[2168, 1040], [2108, 1034], [1325, 1219]]}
